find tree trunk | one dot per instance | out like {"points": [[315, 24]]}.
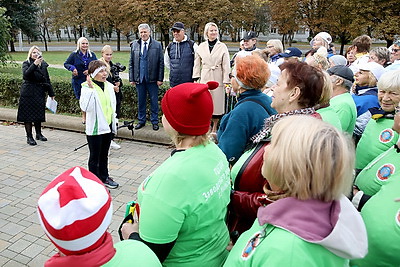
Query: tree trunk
{"points": [[12, 46], [48, 34], [118, 40], [166, 38], [68, 34], [389, 42], [102, 34], [75, 37], [44, 39]]}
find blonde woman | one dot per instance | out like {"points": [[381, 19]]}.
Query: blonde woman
{"points": [[310, 221], [31, 107], [78, 62], [114, 78], [183, 203], [212, 63]]}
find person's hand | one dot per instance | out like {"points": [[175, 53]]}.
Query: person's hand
{"points": [[129, 228], [116, 89], [85, 72], [159, 83], [89, 81], [75, 72], [133, 83], [38, 61]]}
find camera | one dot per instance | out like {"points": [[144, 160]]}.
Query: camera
{"points": [[115, 70]]}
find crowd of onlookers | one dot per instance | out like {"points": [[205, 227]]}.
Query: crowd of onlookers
{"points": [[278, 160]]}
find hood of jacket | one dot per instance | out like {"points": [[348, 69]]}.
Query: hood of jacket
{"points": [[335, 225]]}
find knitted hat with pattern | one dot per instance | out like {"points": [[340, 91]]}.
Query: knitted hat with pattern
{"points": [[75, 211], [188, 107]]}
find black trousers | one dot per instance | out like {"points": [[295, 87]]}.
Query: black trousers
{"points": [[98, 154]]}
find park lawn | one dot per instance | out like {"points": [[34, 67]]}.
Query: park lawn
{"points": [[59, 57]]}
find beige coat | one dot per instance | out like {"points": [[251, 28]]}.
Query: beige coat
{"points": [[213, 66]]}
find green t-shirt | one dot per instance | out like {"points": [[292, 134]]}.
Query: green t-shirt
{"points": [[133, 253], [186, 199], [329, 115], [378, 136], [381, 215], [346, 110], [378, 172], [279, 248]]}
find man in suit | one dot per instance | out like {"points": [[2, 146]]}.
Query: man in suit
{"points": [[146, 71]]}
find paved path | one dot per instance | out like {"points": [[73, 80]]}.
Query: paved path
{"points": [[26, 170]]}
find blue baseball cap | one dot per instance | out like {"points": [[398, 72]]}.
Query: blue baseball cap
{"points": [[291, 52]]}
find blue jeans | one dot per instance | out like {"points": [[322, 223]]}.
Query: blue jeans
{"points": [[142, 90]]}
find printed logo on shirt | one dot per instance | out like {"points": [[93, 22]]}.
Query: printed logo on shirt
{"points": [[223, 183], [252, 245], [385, 171], [398, 218], [386, 136]]}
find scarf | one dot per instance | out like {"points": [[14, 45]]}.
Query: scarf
{"points": [[96, 257], [270, 122]]}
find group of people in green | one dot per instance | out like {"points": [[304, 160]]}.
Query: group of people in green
{"points": [[278, 184]]}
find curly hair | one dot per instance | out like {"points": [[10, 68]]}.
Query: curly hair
{"points": [[252, 71]]}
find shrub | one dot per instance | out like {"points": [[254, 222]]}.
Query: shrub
{"points": [[10, 84]]}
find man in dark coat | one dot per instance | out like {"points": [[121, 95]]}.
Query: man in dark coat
{"points": [[146, 71]]}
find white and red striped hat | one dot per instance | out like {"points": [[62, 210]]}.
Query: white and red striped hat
{"points": [[75, 211]]}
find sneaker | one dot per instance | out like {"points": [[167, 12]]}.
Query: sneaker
{"points": [[110, 183], [114, 145]]}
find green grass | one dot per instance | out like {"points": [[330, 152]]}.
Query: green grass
{"points": [[16, 69], [59, 57]]}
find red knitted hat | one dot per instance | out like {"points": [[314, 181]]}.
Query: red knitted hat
{"points": [[75, 211], [188, 107]]}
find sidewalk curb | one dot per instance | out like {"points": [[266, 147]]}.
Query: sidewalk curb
{"points": [[71, 123]]}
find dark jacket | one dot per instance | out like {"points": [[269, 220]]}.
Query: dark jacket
{"points": [[181, 56], [155, 62], [36, 84], [75, 61], [242, 122]]}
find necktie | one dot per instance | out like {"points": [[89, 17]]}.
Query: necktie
{"points": [[145, 49]]}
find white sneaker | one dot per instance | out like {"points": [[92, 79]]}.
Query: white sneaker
{"points": [[114, 145]]}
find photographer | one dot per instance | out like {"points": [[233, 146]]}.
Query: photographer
{"points": [[31, 107], [115, 79]]}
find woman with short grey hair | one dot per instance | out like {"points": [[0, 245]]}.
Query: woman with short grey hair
{"points": [[380, 55]]}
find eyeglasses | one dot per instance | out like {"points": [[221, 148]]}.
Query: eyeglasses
{"points": [[395, 50]]}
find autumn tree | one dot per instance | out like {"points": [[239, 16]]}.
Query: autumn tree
{"points": [[286, 18], [380, 18], [22, 17], [4, 35]]}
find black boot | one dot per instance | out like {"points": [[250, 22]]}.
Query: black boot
{"points": [[40, 137], [31, 141], [29, 138], [38, 129]]}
